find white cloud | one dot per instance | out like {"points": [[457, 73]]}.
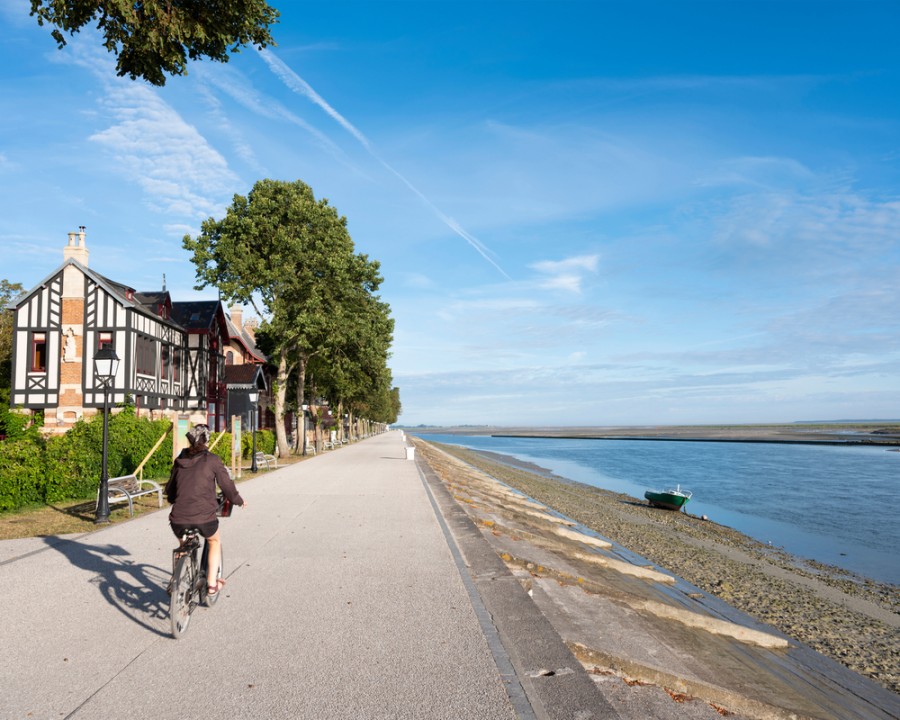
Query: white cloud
{"points": [[179, 230], [148, 141], [815, 225], [566, 274], [155, 148]]}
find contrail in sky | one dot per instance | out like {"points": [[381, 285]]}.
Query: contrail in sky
{"points": [[299, 85]]}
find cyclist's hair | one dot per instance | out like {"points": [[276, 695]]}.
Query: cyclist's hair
{"points": [[198, 435]]}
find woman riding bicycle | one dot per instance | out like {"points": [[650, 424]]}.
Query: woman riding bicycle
{"points": [[192, 492]]}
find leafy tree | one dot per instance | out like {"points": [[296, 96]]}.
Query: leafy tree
{"points": [[354, 368], [291, 257], [8, 292], [153, 37]]}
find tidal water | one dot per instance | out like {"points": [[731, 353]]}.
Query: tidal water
{"points": [[834, 504]]}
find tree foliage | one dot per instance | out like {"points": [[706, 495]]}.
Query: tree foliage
{"points": [[353, 372], [291, 257], [8, 292], [153, 37]]}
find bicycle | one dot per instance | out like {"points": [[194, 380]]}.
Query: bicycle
{"points": [[189, 584]]}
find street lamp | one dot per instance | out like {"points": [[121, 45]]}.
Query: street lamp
{"points": [[254, 398], [303, 409], [106, 363]]}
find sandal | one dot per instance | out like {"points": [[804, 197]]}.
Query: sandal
{"points": [[213, 589]]}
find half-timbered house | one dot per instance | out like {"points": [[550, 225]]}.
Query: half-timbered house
{"points": [[172, 354], [59, 325], [206, 326]]}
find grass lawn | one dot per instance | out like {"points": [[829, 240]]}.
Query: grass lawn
{"points": [[63, 518]]}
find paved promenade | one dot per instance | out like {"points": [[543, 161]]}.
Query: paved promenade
{"points": [[345, 599]]}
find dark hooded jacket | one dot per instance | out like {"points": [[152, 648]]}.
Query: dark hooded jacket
{"points": [[192, 487]]}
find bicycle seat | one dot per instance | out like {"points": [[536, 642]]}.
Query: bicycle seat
{"points": [[190, 540]]}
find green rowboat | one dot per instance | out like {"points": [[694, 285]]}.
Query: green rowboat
{"points": [[668, 499]]}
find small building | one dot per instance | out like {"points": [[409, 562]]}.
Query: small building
{"points": [[172, 355]]}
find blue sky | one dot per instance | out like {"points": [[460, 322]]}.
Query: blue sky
{"points": [[587, 213]]}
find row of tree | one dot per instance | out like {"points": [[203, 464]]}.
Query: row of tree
{"points": [[325, 329]]}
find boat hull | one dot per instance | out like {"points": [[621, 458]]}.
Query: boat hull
{"points": [[667, 501]]}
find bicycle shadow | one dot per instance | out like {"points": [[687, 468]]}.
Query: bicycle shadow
{"points": [[137, 590]]}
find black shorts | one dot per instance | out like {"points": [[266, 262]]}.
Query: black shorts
{"points": [[207, 530]]}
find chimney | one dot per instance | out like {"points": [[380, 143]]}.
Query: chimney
{"points": [[237, 316], [76, 248]]}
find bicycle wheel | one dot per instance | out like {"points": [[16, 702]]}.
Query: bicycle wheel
{"points": [[211, 600], [182, 590]]}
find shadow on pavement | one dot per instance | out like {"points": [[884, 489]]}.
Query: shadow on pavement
{"points": [[137, 590]]}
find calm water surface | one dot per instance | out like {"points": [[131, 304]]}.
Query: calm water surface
{"points": [[834, 504]]}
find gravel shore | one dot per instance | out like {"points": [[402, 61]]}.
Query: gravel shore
{"points": [[851, 619]]}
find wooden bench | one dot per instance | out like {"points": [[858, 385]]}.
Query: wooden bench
{"points": [[128, 487]]}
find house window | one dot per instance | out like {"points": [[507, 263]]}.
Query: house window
{"points": [[229, 358], [165, 360], [145, 356], [104, 340], [39, 352], [176, 362]]}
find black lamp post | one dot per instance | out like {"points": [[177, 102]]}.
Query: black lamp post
{"points": [[106, 363], [254, 398], [303, 409]]}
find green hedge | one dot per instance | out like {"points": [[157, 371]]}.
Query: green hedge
{"points": [[67, 467], [22, 473], [265, 442], [74, 459]]}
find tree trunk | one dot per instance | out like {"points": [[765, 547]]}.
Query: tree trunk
{"points": [[281, 379]]}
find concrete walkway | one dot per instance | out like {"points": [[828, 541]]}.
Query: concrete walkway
{"points": [[345, 599]]}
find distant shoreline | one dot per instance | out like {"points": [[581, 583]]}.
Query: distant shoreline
{"points": [[664, 438], [879, 434]]}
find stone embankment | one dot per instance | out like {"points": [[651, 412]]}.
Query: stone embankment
{"points": [[664, 600]]}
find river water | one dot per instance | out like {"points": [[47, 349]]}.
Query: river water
{"points": [[834, 504]]}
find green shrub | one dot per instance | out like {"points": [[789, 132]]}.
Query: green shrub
{"points": [[22, 472], [73, 462], [223, 449], [265, 443], [75, 459], [16, 425]]}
